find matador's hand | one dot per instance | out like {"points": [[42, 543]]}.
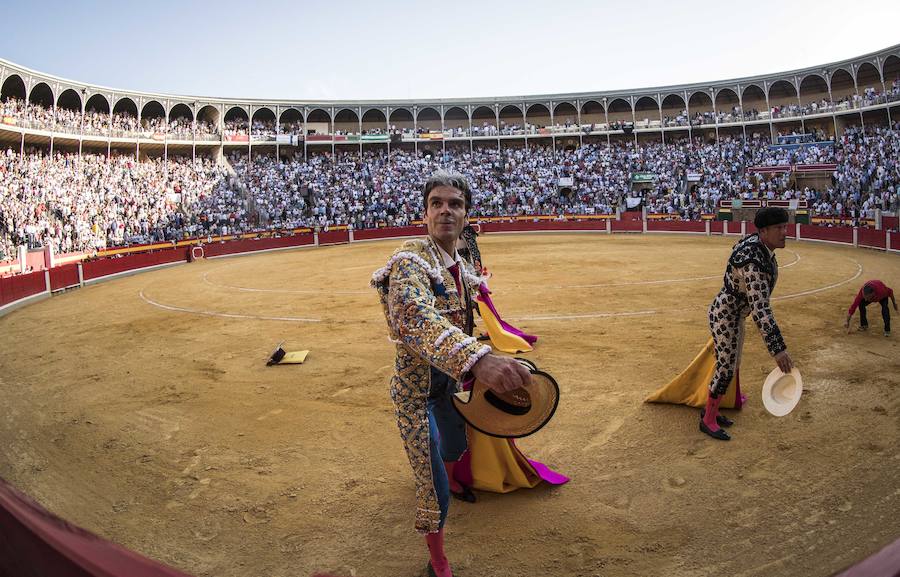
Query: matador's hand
{"points": [[501, 374], [784, 362]]}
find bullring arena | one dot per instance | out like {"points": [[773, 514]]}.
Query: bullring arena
{"points": [[170, 435], [138, 404]]}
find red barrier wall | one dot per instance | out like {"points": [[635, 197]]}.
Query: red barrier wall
{"points": [[890, 222], [676, 226], [36, 259], [37, 542], [334, 237], [373, 233], [107, 266], [250, 244], [13, 288], [544, 225], [734, 227], [872, 238], [20, 286], [835, 234], [64, 276], [627, 226]]}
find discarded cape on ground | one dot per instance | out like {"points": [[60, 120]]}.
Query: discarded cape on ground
{"points": [[691, 387], [282, 357]]}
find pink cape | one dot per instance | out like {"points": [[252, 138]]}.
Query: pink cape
{"points": [[463, 470], [485, 297]]}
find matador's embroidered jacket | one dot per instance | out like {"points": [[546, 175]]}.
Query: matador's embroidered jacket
{"points": [[750, 278], [426, 317]]}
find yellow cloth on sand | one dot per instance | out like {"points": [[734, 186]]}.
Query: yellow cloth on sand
{"points": [[691, 387], [294, 358], [497, 465]]}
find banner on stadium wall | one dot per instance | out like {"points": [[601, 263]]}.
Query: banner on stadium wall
{"points": [[567, 181], [742, 203], [237, 137], [544, 131], [376, 137], [793, 146], [9, 120], [694, 176], [318, 138], [815, 167], [842, 221], [158, 136], [770, 169], [432, 136], [791, 204], [284, 139], [643, 177]]}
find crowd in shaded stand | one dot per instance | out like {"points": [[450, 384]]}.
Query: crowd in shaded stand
{"points": [[95, 202]]}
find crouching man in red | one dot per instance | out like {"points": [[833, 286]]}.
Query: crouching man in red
{"points": [[874, 291]]}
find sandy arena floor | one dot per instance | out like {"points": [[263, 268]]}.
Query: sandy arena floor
{"points": [[142, 409]]}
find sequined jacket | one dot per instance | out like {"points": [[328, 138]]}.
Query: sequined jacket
{"points": [[426, 318], [750, 276]]}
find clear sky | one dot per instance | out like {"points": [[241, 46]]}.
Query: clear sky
{"points": [[348, 49]]}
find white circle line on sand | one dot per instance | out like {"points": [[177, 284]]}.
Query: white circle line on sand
{"points": [[282, 291], [664, 281], [584, 316], [361, 267], [859, 271], [336, 292], [223, 315]]}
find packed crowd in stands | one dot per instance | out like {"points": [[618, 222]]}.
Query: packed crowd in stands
{"points": [[101, 123], [34, 115], [93, 202], [264, 128]]}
